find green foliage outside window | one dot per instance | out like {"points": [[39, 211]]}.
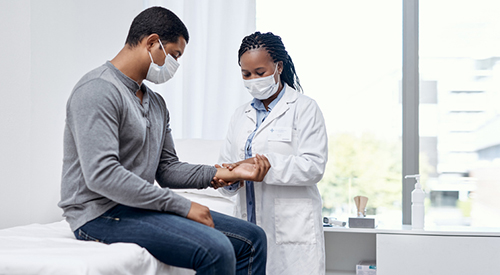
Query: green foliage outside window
{"points": [[364, 165], [361, 165]]}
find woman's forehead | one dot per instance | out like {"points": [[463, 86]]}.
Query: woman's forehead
{"points": [[255, 56]]}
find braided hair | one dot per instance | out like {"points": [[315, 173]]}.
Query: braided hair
{"points": [[274, 46]]}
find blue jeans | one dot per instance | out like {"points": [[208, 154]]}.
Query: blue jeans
{"points": [[233, 247]]}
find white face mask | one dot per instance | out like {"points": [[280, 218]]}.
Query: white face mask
{"points": [[161, 74], [262, 87]]}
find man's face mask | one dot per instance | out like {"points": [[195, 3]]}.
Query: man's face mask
{"points": [[161, 74]]}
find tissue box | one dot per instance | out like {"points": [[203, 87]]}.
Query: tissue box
{"points": [[361, 222], [366, 268]]}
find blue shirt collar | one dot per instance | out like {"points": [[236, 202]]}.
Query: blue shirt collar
{"points": [[259, 106]]}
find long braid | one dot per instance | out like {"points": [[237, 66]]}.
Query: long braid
{"points": [[274, 46]]}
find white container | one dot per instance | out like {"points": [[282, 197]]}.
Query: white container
{"points": [[417, 204], [366, 268]]}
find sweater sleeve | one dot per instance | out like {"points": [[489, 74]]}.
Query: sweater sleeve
{"points": [[93, 115], [175, 174]]}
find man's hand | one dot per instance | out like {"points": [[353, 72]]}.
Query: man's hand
{"points": [[216, 182], [200, 213]]}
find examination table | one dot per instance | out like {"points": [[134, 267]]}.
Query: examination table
{"points": [[52, 248]]}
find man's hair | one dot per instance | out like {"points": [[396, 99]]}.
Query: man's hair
{"points": [[157, 20]]}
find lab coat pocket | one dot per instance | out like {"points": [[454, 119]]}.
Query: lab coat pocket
{"points": [[280, 140], [294, 221], [280, 134]]}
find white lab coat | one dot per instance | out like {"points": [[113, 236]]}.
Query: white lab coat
{"points": [[288, 204]]}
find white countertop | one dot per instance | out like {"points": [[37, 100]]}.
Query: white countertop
{"points": [[428, 230]]}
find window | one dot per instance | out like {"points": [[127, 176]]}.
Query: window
{"points": [[348, 58], [462, 56]]}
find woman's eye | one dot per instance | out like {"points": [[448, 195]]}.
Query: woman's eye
{"points": [[260, 74]]}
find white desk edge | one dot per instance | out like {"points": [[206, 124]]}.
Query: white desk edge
{"points": [[435, 230]]}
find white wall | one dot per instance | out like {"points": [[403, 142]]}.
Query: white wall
{"points": [[208, 86], [45, 47], [15, 117]]}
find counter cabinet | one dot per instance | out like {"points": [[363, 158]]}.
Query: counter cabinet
{"points": [[440, 250]]}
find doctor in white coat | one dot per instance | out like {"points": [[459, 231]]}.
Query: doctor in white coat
{"points": [[288, 128]]}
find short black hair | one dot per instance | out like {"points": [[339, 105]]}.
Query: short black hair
{"points": [[274, 46], [157, 20]]}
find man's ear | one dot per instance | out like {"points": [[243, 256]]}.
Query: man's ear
{"points": [[150, 40]]}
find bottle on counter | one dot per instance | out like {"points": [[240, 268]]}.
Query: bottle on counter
{"points": [[417, 204]]}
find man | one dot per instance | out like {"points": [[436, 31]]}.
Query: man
{"points": [[117, 142]]}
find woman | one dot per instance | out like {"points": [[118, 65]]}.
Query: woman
{"points": [[288, 128]]}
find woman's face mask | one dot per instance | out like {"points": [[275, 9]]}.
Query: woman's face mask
{"points": [[161, 74], [262, 87]]}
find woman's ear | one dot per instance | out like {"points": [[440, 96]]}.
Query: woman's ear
{"points": [[280, 67]]}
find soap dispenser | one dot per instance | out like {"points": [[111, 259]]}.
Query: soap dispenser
{"points": [[417, 204]]}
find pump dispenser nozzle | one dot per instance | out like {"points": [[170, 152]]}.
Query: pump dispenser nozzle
{"points": [[417, 178]]}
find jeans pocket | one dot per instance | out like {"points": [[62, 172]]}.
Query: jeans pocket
{"points": [[99, 226], [294, 221], [81, 235]]}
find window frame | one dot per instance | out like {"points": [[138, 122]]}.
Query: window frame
{"points": [[410, 103]]}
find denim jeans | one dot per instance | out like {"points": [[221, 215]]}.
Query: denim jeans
{"points": [[233, 247]]}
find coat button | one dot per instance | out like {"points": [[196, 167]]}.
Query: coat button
{"points": [[242, 155], [244, 215]]}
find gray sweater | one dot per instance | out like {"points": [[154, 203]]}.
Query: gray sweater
{"points": [[115, 148]]}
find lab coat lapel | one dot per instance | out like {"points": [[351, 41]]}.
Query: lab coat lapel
{"points": [[283, 105], [251, 113]]}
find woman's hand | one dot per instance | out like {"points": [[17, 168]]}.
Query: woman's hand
{"points": [[253, 172], [231, 166], [253, 169]]}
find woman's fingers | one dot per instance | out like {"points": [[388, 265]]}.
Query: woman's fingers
{"points": [[216, 183], [262, 166], [230, 166], [224, 183], [267, 165]]}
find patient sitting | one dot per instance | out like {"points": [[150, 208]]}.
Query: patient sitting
{"points": [[117, 142]]}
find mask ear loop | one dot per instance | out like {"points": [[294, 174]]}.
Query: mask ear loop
{"points": [[150, 57], [161, 45]]}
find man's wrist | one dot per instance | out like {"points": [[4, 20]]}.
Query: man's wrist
{"points": [[226, 175]]}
